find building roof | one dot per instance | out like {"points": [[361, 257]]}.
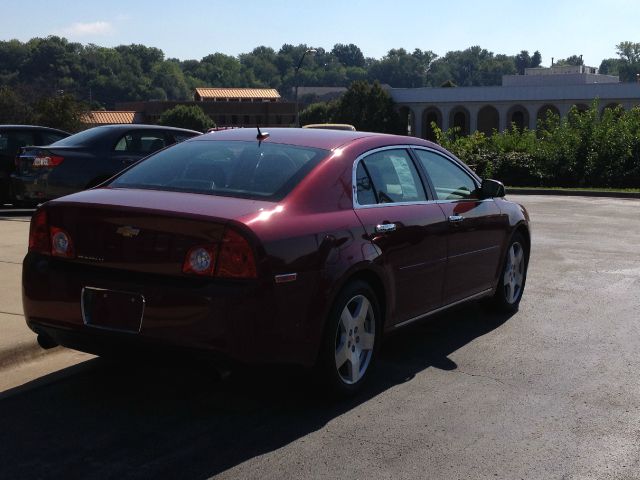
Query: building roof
{"points": [[107, 117], [232, 93]]}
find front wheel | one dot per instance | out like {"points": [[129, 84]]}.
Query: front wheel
{"points": [[514, 275], [351, 339]]}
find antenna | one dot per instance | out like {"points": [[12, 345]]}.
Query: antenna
{"points": [[261, 136]]}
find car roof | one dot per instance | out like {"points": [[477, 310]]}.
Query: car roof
{"points": [[307, 137], [32, 127]]}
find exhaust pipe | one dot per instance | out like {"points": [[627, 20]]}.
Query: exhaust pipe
{"points": [[46, 341]]}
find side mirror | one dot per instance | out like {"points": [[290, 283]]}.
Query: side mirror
{"points": [[492, 189]]}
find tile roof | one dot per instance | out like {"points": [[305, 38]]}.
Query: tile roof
{"points": [[255, 93], [106, 117]]}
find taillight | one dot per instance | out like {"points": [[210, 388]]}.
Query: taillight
{"points": [[47, 161], [39, 239], [233, 258], [236, 258], [61, 244]]}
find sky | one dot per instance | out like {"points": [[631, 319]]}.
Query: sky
{"points": [[194, 29]]}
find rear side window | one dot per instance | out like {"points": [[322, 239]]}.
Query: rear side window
{"points": [[237, 169], [140, 142], [388, 176]]}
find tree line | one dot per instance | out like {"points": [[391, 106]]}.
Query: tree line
{"points": [[101, 76]]}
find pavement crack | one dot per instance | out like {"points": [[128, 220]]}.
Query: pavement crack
{"points": [[12, 313], [483, 376], [12, 263]]}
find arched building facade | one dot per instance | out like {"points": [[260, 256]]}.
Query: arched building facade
{"points": [[521, 101]]}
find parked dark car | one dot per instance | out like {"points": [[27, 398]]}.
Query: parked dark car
{"points": [[303, 246], [87, 159], [12, 139]]}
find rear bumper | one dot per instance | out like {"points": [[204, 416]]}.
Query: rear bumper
{"points": [[29, 188], [238, 321]]}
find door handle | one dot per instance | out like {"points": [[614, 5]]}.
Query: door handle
{"points": [[455, 218], [385, 227]]}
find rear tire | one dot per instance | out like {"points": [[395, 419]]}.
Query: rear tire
{"points": [[514, 276], [352, 339]]}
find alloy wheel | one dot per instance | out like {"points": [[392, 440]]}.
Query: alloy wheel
{"points": [[514, 273], [355, 338]]}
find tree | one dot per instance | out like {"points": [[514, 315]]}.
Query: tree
{"points": [[13, 108], [320, 112], [629, 52], [629, 66], [184, 116], [474, 66], [398, 68], [368, 107], [348, 55], [575, 60], [168, 77], [610, 66], [524, 61], [59, 111]]}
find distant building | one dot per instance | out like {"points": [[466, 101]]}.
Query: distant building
{"points": [[109, 117], [521, 100], [236, 95], [227, 107]]}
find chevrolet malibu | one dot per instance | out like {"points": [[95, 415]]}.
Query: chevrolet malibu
{"points": [[297, 246]]}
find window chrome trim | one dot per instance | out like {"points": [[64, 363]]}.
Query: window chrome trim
{"points": [[458, 163]]}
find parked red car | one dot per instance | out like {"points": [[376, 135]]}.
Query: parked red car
{"points": [[300, 246]]}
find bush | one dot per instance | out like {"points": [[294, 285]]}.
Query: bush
{"points": [[183, 116], [585, 149]]}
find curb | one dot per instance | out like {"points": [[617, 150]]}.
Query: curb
{"points": [[572, 193]]}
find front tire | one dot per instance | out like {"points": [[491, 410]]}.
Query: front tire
{"points": [[351, 340], [514, 276]]}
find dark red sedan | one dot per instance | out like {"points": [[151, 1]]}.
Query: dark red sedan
{"points": [[295, 246]]}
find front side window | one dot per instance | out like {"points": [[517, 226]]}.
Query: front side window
{"points": [[229, 168], [388, 176], [449, 180]]}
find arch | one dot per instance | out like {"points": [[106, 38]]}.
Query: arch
{"points": [[614, 106], [518, 116], [545, 110], [407, 120], [431, 115], [581, 107], [488, 120], [459, 117]]}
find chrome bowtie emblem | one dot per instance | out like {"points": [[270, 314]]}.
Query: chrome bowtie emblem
{"points": [[127, 231]]}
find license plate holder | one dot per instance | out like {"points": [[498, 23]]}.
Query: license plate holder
{"points": [[112, 309]]}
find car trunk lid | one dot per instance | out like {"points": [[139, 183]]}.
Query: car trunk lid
{"points": [[142, 230]]}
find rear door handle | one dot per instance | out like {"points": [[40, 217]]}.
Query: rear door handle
{"points": [[385, 227], [455, 218]]}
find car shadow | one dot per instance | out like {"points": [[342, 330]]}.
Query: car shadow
{"points": [[102, 419]]}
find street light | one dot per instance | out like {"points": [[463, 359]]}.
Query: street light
{"points": [[310, 51]]}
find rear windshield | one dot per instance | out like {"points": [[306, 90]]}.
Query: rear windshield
{"points": [[83, 138], [229, 168]]}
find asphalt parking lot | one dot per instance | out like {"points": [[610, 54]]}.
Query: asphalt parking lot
{"points": [[551, 392]]}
